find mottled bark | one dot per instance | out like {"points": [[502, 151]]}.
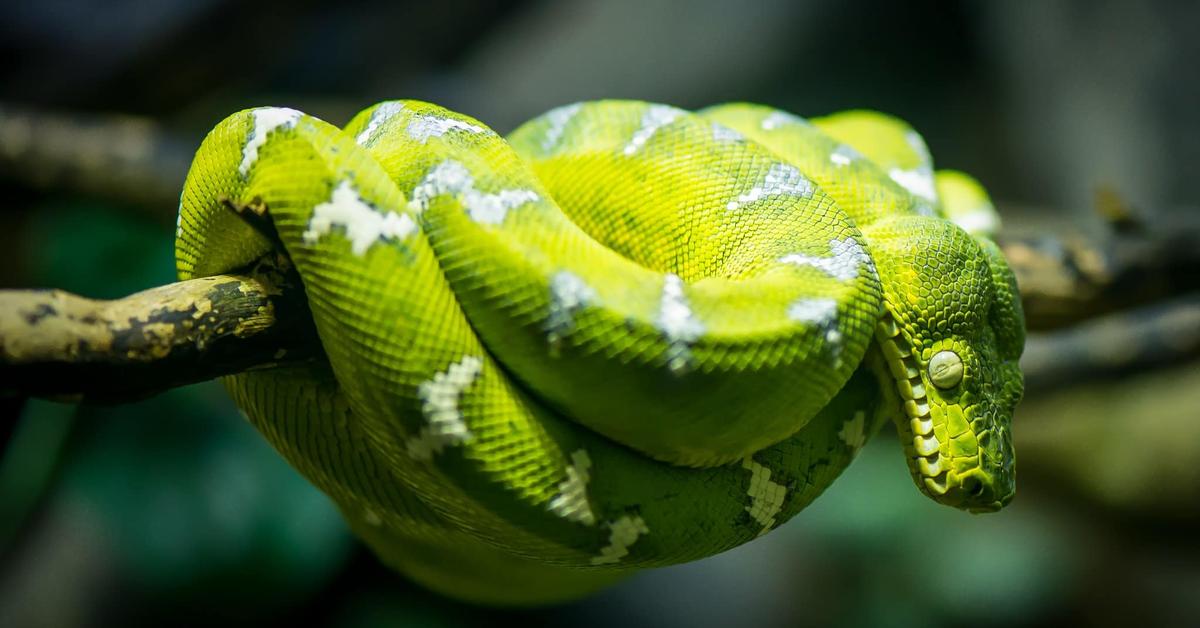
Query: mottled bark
{"points": [[59, 345], [1067, 277]]}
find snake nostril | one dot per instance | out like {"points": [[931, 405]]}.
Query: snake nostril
{"points": [[973, 488]]}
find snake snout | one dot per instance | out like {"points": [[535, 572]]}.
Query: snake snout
{"points": [[976, 495], [977, 492]]}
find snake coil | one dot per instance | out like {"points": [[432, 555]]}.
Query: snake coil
{"points": [[625, 336]]}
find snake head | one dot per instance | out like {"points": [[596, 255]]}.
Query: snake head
{"points": [[950, 339]]}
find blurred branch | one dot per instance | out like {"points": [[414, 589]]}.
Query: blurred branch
{"points": [[59, 345], [1130, 341], [123, 158], [1066, 277]]}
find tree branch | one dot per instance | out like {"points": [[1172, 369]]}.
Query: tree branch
{"points": [[59, 345], [124, 158], [1067, 277], [1114, 345]]}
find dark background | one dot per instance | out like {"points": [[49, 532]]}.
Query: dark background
{"points": [[173, 510]]}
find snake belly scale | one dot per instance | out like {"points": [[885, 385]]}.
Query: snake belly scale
{"points": [[625, 336]]}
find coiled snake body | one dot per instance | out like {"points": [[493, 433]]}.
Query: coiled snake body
{"points": [[626, 336]]}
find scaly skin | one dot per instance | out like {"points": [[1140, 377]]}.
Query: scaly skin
{"points": [[627, 336], [944, 290]]}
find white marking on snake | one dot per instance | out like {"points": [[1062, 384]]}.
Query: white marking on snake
{"points": [[451, 177], [848, 255], [776, 119], [656, 116], [492, 208], [363, 225], [266, 120], [568, 294], [558, 119], [624, 533], [424, 127], [843, 155], [382, 114], [917, 143], [678, 323], [439, 404], [781, 180], [179, 220], [571, 503], [821, 312], [722, 133], [978, 221], [448, 177], [919, 181], [854, 431], [766, 497]]}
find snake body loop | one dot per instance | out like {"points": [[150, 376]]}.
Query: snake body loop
{"points": [[625, 336]]}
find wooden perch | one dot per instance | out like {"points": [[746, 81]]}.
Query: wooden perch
{"points": [[131, 160], [54, 344], [62, 346], [1066, 277], [1117, 344], [58, 345]]}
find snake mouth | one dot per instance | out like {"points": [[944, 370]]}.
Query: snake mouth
{"points": [[925, 460]]}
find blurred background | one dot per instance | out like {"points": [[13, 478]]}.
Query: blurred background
{"points": [[1082, 119]]}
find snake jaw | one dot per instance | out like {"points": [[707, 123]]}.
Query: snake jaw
{"points": [[961, 481], [925, 458]]}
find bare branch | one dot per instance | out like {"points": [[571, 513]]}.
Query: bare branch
{"points": [[124, 158], [1134, 340], [55, 344], [1066, 277]]}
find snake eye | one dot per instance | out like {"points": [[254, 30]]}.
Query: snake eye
{"points": [[946, 369]]}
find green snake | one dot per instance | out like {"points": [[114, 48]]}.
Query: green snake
{"points": [[625, 336]]}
